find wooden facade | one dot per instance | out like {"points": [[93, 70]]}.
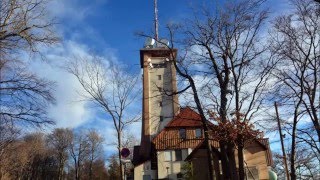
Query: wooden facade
{"points": [[170, 139]]}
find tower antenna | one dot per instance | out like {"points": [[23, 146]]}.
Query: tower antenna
{"points": [[156, 25]]}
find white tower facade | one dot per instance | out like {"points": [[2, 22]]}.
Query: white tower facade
{"points": [[160, 103]]}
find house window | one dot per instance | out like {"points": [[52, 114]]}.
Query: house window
{"points": [[167, 155], [198, 133], [159, 77], [146, 177], [178, 155], [182, 133], [184, 153], [161, 118]]}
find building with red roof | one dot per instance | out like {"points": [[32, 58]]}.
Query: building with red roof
{"points": [[172, 136]]}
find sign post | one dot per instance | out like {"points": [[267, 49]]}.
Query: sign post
{"points": [[125, 152]]}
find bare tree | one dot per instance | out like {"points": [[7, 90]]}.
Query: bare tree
{"points": [[24, 24], [225, 48], [99, 170], [79, 148], [24, 97], [113, 169], [36, 152], [26, 158], [23, 27], [95, 149], [110, 88], [58, 142], [8, 135], [307, 165], [296, 42], [39, 156]]}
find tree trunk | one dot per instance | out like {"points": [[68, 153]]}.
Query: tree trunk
{"points": [[90, 170], [205, 128], [223, 145], [316, 123], [232, 162], [60, 170], [224, 161], [203, 118], [241, 159], [119, 155], [76, 172], [293, 149], [227, 150], [210, 155], [216, 166]]}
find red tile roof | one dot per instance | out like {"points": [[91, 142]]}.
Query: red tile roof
{"points": [[169, 138], [186, 118]]}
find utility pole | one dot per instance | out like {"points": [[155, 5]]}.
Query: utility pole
{"points": [[281, 139], [156, 23]]}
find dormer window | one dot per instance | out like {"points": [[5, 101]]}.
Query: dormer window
{"points": [[182, 133], [198, 133]]}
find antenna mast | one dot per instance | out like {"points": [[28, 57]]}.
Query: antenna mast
{"points": [[156, 25]]}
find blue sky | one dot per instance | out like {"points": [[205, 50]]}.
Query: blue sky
{"points": [[110, 25], [106, 28]]}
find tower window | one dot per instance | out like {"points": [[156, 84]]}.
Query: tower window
{"points": [[159, 77], [182, 133], [161, 118], [160, 65], [160, 104], [160, 89]]}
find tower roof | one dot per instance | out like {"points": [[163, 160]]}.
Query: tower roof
{"points": [[156, 52]]}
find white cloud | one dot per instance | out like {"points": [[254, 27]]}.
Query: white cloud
{"points": [[70, 110], [77, 10]]}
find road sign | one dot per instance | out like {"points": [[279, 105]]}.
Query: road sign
{"points": [[125, 152]]}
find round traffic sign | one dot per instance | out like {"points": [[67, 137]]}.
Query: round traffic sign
{"points": [[125, 152]]}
